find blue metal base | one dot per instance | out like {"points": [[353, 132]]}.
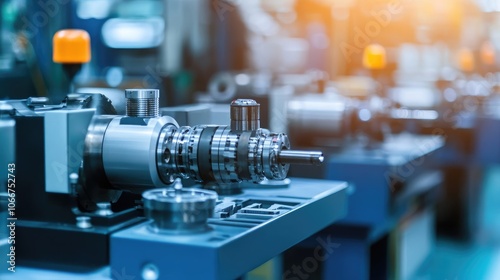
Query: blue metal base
{"points": [[387, 183], [385, 179], [235, 245]]}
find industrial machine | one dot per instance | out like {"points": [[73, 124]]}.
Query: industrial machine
{"points": [[80, 172], [392, 174]]}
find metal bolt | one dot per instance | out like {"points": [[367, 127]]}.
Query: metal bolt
{"points": [[104, 209], [83, 222], [73, 178], [178, 186]]}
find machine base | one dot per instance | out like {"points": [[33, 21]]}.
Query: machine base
{"points": [[235, 245]]}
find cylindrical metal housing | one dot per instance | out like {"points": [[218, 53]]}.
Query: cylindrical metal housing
{"points": [[219, 154], [245, 115], [143, 103], [313, 116], [93, 166], [179, 210], [129, 153]]}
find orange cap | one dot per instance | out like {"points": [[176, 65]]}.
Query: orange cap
{"points": [[466, 61], [71, 46], [374, 57], [487, 53]]}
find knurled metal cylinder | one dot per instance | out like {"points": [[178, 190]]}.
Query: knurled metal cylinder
{"points": [[245, 115], [177, 210], [143, 103]]}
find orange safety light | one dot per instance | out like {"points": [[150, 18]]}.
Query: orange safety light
{"points": [[374, 57], [71, 46]]}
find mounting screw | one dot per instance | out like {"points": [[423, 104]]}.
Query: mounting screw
{"points": [[83, 222]]}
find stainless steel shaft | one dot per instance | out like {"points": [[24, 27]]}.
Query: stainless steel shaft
{"points": [[300, 157]]}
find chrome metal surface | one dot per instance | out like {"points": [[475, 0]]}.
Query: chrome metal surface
{"points": [[129, 153], [315, 113], [300, 157], [93, 166], [219, 154], [274, 169], [245, 115], [177, 210], [143, 103], [83, 222], [136, 154]]}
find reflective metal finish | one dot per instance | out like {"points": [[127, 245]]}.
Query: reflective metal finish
{"points": [[93, 167], [129, 153], [143, 103], [178, 210], [245, 115], [318, 115], [301, 157], [134, 154], [219, 154], [272, 167]]}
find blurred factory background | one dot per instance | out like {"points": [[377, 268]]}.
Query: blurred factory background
{"points": [[402, 97]]}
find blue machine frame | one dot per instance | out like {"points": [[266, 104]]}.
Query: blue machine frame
{"points": [[386, 183], [235, 245]]}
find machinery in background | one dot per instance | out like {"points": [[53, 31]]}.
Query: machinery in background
{"points": [[394, 183], [20, 72], [396, 180], [93, 165], [400, 185], [448, 127], [462, 106], [224, 87]]}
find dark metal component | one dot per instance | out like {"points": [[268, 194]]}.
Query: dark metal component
{"points": [[46, 221], [99, 102], [245, 115], [300, 157], [33, 203], [143, 103], [133, 121], [56, 243], [96, 186], [204, 165], [242, 155], [164, 157]]}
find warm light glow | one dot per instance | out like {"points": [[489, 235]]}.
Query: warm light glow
{"points": [[488, 53], [374, 57], [465, 60]]}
